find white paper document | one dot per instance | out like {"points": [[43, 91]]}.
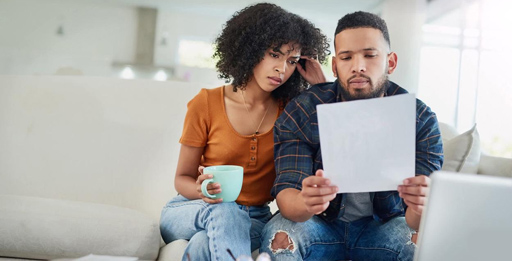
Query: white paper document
{"points": [[368, 145]]}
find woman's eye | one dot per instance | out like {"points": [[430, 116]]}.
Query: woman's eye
{"points": [[273, 55], [293, 62]]}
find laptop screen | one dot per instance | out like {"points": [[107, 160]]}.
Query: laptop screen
{"points": [[467, 217]]}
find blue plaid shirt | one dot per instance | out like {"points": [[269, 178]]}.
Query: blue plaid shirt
{"points": [[297, 152]]}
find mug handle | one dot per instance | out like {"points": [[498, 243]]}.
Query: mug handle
{"points": [[204, 190]]}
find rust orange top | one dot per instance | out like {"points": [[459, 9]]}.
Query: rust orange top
{"points": [[207, 125]]}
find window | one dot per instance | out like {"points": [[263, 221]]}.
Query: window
{"points": [[464, 68], [194, 53]]}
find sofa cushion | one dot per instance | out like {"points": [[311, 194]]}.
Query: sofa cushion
{"points": [[173, 250], [176, 249], [43, 228], [462, 153]]}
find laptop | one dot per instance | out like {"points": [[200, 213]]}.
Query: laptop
{"points": [[466, 217]]}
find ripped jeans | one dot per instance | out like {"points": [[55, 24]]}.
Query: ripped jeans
{"points": [[211, 229], [363, 239]]}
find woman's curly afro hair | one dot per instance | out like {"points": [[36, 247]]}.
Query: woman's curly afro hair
{"points": [[250, 32]]}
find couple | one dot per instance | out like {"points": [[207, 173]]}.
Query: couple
{"points": [[244, 122]]}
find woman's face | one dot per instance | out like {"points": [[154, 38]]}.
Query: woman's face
{"points": [[277, 66]]}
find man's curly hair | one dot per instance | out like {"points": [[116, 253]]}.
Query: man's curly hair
{"points": [[250, 32]]}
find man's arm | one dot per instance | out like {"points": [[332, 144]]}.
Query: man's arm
{"points": [[429, 158], [413, 192], [313, 199], [299, 193]]}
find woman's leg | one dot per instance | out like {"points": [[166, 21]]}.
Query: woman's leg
{"points": [[197, 248], [226, 225], [259, 215]]}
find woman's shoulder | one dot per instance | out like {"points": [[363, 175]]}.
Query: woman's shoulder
{"points": [[211, 91], [206, 94]]}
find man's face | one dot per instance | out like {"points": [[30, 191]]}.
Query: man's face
{"points": [[362, 63]]}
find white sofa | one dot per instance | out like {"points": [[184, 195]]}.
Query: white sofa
{"points": [[86, 165]]}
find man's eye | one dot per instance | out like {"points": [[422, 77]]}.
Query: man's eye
{"points": [[273, 55], [371, 55], [345, 58]]}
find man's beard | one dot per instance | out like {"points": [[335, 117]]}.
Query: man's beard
{"points": [[376, 90]]}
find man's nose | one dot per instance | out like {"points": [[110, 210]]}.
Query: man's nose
{"points": [[358, 65]]}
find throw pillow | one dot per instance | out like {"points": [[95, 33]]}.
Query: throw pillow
{"points": [[462, 153]]}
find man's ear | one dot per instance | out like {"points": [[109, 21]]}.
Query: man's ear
{"points": [[392, 61], [334, 66]]}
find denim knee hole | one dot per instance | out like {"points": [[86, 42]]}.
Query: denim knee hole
{"points": [[283, 245]]}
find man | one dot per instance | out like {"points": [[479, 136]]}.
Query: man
{"points": [[314, 221]]}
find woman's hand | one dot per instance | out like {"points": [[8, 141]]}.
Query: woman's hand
{"points": [[313, 73], [213, 188]]}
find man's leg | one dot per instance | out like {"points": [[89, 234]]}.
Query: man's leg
{"points": [[314, 239], [382, 241]]}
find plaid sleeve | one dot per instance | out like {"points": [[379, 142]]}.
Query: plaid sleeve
{"points": [[293, 150], [429, 146]]}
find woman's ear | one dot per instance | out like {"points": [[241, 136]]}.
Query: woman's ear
{"points": [[392, 61]]}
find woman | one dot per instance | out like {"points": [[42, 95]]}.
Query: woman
{"points": [[258, 49]]}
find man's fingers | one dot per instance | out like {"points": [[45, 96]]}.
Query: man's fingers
{"points": [[317, 180], [320, 191], [311, 201], [418, 200], [413, 190], [421, 180], [415, 207], [317, 209]]}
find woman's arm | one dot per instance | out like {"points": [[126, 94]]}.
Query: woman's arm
{"points": [[186, 181]]}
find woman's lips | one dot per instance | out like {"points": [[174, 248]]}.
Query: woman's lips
{"points": [[275, 80]]}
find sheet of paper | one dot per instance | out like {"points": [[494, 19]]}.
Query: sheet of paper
{"points": [[368, 145]]}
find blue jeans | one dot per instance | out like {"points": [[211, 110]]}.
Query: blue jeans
{"points": [[364, 239], [211, 229]]}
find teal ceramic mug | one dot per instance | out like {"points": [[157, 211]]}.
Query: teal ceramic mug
{"points": [[229, 177]]}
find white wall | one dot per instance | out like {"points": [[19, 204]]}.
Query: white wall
{"points": [[93, 36], [405, 20], [98, 33]]}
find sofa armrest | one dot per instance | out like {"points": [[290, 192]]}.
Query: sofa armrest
{"points": [[495, 166], [41, 228]]}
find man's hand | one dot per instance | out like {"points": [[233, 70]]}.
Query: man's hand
{"points": [[213, 188], [313, 73], [317, 192], [413, 192]]}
